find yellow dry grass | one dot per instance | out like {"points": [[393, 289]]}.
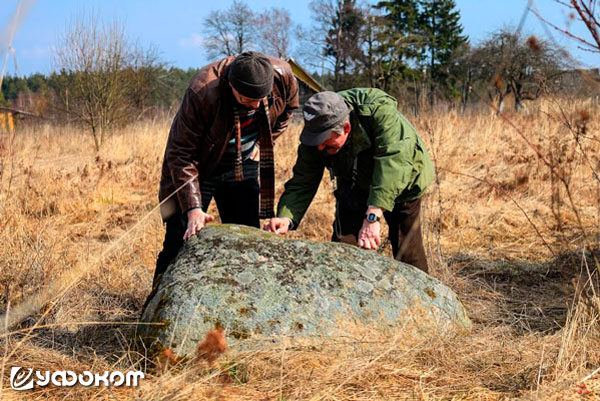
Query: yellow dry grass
{"points": [[511, 224]]}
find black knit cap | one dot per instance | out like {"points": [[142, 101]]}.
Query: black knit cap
{"points": [[251, 74]]}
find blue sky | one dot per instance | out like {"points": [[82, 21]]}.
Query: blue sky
{"points": [[175, 27]]}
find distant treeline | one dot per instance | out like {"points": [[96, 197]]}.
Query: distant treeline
{"points": [[158, 88], [413, 49]]}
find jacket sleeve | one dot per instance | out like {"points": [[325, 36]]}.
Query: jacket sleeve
{"points": [[302, 187], [394, 142], [291, 103], [182, 149]]}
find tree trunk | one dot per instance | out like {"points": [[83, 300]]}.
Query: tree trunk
{"points": [[466, 92], [97, 142], [517, 90], [518, 103]]}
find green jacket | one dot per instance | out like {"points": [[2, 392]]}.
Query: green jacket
{"points": [[392, 164]]}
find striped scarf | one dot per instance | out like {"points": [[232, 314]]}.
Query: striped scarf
{"points": [[267, 165]]}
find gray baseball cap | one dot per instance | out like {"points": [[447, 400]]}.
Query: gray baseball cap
{"points": [[322, 112]]}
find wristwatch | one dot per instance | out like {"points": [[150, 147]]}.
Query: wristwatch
{"points": [[372, 218]]}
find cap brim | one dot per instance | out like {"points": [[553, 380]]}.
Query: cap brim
{"points": [[314, 138]]}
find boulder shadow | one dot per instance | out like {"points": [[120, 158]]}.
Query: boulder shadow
{"points": [[529, 297]]}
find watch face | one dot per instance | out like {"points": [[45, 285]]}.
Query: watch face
{"points": [[371, 217]]}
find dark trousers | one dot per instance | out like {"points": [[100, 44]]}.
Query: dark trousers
{"points": [[403, 221], [237, 203]]}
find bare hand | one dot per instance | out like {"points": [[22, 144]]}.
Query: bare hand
{"points": [[255, 155], [369, 235], [277, 225], [197, 219]]}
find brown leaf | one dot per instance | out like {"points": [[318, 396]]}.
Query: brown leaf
{"points": [[214, 344], [498, 81], [165, 359], [533, 43]]}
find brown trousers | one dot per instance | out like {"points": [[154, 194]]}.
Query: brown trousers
{"points": [[404, 229]]}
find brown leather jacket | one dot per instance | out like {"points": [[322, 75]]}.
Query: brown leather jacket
{"points": [[203, 126]]}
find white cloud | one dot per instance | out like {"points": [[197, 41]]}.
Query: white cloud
{"points": [[194, 41]]}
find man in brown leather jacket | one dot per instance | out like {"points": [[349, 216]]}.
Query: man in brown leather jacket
{"points": [[230, 115]]}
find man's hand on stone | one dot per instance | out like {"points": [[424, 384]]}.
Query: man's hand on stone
{"points": [[197, 219], [277, 225], [369, 236]]}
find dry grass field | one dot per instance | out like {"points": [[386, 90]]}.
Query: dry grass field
{"points": [[511, 224]]}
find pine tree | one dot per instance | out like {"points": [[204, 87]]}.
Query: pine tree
{"points": [[439, 24], [395, 42], [422, 33], [402, 19]]}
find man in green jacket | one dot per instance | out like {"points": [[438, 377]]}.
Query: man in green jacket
{"points": [[380, 165]]}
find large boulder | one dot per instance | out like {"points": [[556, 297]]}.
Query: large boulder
{"points": [[258, 285]]}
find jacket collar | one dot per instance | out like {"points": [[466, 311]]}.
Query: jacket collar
{"points": [[359, 139]]}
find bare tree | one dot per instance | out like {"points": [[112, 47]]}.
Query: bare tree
{"points": [[229, 32], [275, 27], [590, 15], [339, 25], [96, 61], [587, 12], [512, 65]]}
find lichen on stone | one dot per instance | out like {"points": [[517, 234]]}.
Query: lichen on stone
{"points": [[256, 284]]}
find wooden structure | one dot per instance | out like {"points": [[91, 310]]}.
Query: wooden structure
{"points": [[307, 85], [7, 122], [9, 117]]}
